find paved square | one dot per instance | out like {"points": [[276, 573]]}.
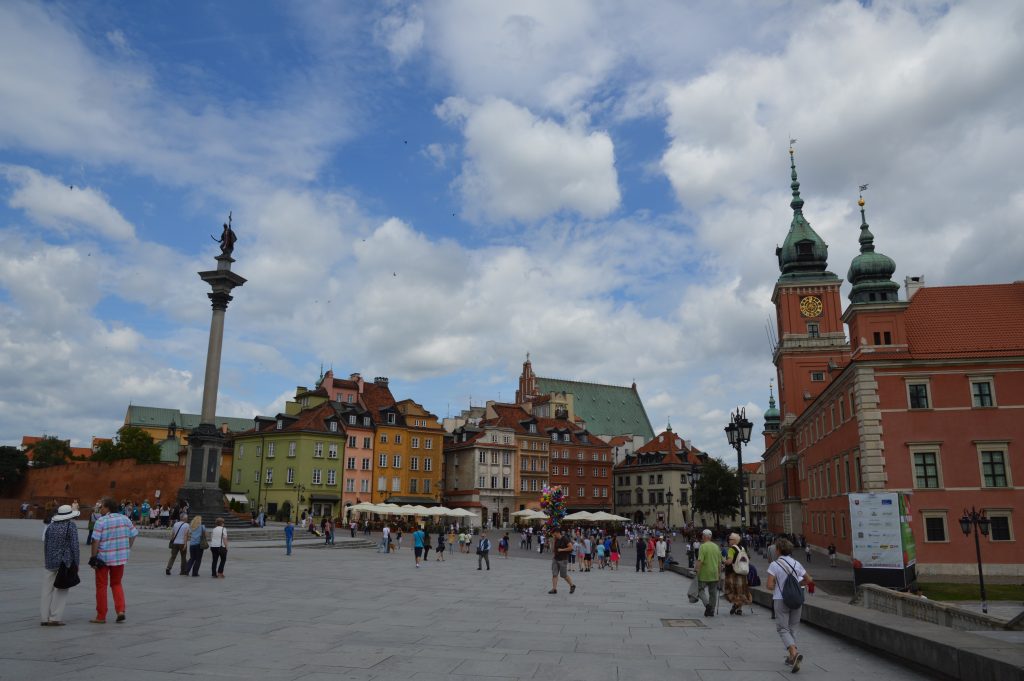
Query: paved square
{"points": [[355, 614]]}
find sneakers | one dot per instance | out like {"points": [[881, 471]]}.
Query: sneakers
{"points": [[572, 589], [120, 615], [796, 662], [553, 591]]}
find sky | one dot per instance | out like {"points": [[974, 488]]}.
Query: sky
{"points": [[429, 191]]}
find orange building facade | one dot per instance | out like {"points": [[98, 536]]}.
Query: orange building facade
{"points": [[926, 399]]}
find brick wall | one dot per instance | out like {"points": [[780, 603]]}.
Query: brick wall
{"points": [[88, 482]]}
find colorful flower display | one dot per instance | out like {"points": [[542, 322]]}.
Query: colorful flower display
{"points": [[552, 502]]}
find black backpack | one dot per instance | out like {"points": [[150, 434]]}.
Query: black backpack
{"points": [[792, 594]]}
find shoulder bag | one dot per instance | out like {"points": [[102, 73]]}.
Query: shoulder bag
{"points": [[67, 576]]}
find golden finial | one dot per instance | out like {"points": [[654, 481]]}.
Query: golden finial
{"points": [[792, 141]]}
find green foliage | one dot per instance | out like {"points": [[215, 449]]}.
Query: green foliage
{"points": [[284, 511], [50, 451], [718, 490], [13, 464], [130, 443], [224, 484]]}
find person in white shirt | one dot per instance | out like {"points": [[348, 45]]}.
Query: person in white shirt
{"points": [[219, 548], [661, 550], [786, 619]]}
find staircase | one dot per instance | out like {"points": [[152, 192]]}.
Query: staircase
{"points": [[346, 543]]}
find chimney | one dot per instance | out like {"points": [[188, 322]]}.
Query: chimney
{"points": [[381, 381], [913, 284]]}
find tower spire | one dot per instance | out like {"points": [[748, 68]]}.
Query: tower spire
{"points": [[867, 239], [797, 204], [871, 272]]}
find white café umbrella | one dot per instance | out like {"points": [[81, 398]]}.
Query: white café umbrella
{"points": [[525, 513], [601, 515], [439, 510], [581, 515]]}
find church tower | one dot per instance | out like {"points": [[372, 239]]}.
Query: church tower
{"points": [[812, 341], [527, 383]]}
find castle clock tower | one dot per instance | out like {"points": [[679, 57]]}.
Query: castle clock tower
{"points": [[812, 342]]}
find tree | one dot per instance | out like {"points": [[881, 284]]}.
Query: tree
{"points": [[718, 490], [130, 443], [13, 464], [50, 451]]}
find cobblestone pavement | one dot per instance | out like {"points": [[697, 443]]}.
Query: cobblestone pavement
{"points": [[356, 614]]}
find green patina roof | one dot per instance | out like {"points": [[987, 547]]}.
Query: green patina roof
{"points": [[607, 409], [161, 417], [871, 272], [804, 254]]}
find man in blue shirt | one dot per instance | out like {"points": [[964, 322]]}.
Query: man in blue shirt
{"points": [[289, 533], [417, 538]]}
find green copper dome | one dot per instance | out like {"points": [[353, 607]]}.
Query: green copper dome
{"points": [[871, 272], [804, 254], [772, 417]]}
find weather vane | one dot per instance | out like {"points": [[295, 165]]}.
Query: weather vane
{"points": [[863, 188]]}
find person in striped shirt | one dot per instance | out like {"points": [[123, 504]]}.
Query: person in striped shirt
{"points": [[112, 540]]}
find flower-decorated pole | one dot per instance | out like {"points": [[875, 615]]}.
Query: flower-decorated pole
{"points": [[552, 502]]}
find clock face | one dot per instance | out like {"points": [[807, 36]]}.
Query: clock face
{"points": [[810, 306]]}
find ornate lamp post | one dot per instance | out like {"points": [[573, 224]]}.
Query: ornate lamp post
{"points": [[668, 515], [639, 500], [978, 521], [738, 433], [694, 479]]}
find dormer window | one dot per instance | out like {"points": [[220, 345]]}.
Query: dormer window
{"points": [[532, 428], [366, 420], [391, 418], [554, 437], [280, 424], [352, 419], [333, 426], [565, 437], [805, 249]]}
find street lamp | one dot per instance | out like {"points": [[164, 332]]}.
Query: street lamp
{"points": [[978, 521], [738, 432], [694, 479], [639, 500], [298, 491], [668, 516]]}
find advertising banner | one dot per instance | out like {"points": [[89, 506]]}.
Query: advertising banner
{"points": [[883, 550]]}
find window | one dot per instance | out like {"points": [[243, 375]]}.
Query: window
{"points": [[391, 418], [332, 451], [565, 437], [396, 461], [366, 443], [426, 485], [352, 419], [532, 428], [926, 470], [494, 482], [238, 477], [382, 484], [1000, 525], [270, 450], [812, 330], [494, 458], [522, 463], [482, 458], [842, 411], [270, 475], [398, 438], [317, 474], [259, 451], [366, 420], [365, 464], [533, 464], [918, 395], [351, 441], [257, 477], [364, 485], [350, 485], [414, 443], [554, 437], [533, 484], [428, 463], [604, 491], [428, 443], [506, 459], [350, 463], [318, 450], [241, 451], [413, 486], [382, 461], [522, 485], [817, 376], [333, 426], [481, 481], [414, 463], [506, 482], [579, 471], [935, 526], [565, 470], [383, 438], [290, 476], [981, 393], [582, 492], [280, 424], [877, 337], [993, 469], [396, 484], [332, 477]]}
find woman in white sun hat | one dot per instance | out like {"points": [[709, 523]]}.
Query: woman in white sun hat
{"points": [[60, 547]]}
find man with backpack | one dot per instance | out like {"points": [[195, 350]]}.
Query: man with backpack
{"points": [[785, 576]]}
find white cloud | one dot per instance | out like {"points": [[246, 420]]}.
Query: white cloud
{"points": [[522, 167], [401, 32], [54, 203]]}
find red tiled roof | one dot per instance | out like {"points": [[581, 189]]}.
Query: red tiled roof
{"points": [[510, 416], [751, 467], [966, 321], [667, 446], [377, 397], [345, 383]]}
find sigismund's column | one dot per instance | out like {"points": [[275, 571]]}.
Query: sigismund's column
{"points": [[206, 441]]}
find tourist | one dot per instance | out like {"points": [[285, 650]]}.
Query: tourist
{"points": [[786, 618], [483, 551], [709, 562], [440, 546], [398, 538], [165, 516], [651, 546], [60, 549], [385, 539], [641, 555], [426, 543], [832, 555], [737, 589], [807, 551], [179, 540], [661, 550], [417, 544], [219, 548], [600, 555], [615, 553], [196, 539], [560, 553], [112, 537], [289, 535], [328, 528], [93, 517], [588, 556], [146, 510], [503, 545]]}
